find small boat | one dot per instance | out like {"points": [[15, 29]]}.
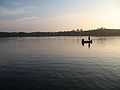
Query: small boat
{"points": [[87, 42], [90, 41]]}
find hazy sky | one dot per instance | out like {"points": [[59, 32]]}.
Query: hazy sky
{"points": [[56, 15]]}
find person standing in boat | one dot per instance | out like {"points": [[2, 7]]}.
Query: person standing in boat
{"points": [[89, 38]]}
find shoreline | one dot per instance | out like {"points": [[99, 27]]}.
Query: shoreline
{"points": [[103, 32]]}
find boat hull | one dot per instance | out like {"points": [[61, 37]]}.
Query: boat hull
{"points": [[87, 41]]}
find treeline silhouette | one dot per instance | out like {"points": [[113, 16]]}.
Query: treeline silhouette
{"points": [[95, 32]]}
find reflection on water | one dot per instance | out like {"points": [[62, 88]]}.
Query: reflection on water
{"points": [[62, 63], [88, 44]]}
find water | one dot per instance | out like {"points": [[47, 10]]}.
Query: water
{"points": [[59, 63]]}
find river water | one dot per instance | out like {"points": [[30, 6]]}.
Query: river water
{"points": [[59, 63]]}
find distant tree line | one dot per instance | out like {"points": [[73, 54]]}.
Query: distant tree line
{"points": [[78, 32]]}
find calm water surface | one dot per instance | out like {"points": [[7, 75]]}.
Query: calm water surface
{"points": [[59, 63]]}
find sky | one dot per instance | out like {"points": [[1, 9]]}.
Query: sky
{"points": [[58, 15]]}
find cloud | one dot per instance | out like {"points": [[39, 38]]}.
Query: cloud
{"points": [[62, 22], [74, 17], [47, 23], [14, 11], [28, 18]]}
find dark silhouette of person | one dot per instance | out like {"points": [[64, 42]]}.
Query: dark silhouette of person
{"points": [[89, 38], [82, 41]]}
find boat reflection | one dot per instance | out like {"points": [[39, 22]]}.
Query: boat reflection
{"points": [[89, 44]]}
